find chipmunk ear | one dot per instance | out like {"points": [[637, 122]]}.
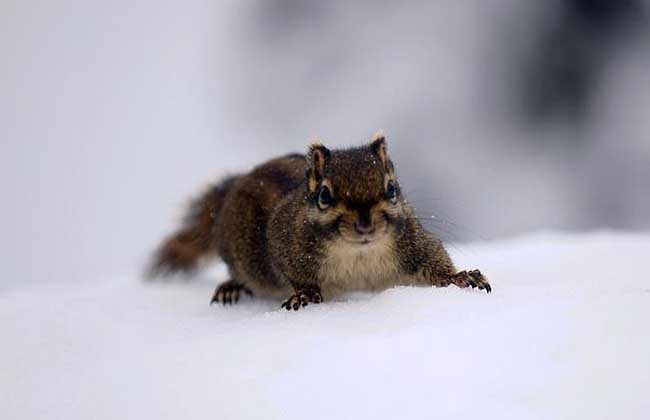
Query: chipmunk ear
{"points": [[378, 146], [316, 159]]}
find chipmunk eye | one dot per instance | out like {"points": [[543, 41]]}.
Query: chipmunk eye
{"points": [[324, 198], [391, 191]]}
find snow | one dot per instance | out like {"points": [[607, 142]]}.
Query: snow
{"points": [[563, 335]]}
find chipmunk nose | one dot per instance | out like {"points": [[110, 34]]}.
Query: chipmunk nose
{"points": [[363, 225], [364, 228]]}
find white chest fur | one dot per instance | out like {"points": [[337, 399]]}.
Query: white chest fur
{"points": [[349, 267]]}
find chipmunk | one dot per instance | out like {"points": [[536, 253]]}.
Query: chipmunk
{"points": [[308, 228]]}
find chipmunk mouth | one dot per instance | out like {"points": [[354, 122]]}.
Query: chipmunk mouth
{"points": [[365, 240], [361, 241]]}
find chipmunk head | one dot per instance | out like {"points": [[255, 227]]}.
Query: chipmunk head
{"points": [[354, 193]]}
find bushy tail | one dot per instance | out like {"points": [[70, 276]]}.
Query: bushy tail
{"points": [[197, 238]]}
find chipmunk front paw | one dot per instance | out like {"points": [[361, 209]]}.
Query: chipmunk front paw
{"points": [[471, 278], [229, 292], [303, 296]]}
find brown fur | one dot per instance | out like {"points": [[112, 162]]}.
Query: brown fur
{"points": [[313, 227]]}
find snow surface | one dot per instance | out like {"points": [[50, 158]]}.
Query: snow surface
{"points": [[563, 335]]}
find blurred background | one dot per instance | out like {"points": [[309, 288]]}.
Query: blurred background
{"points": [[503, 116]]}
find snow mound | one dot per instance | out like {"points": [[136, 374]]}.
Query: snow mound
{"points": [[563, 335]]}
